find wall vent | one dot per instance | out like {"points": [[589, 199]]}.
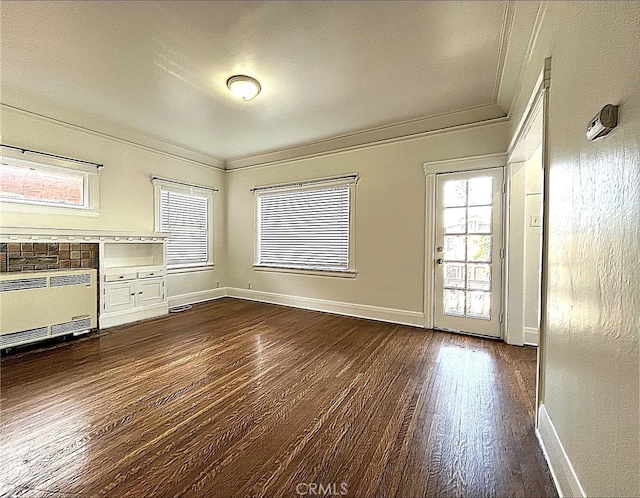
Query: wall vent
{"points": [[63, 280], [72, 326], [24, 336], [23, 283], [49, 298]]}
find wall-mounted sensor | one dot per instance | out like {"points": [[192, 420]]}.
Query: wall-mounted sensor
{"points": [[605, 121]]}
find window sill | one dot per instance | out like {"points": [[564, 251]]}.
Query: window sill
{"points": [[305, 271], [42, 209], [189, 269]]}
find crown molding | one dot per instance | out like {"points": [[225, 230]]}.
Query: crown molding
{"points": [[105, 129], [505, 37], [523, 55], [392, 133]]}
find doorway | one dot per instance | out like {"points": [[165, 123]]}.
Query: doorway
{"points": [[524, 233], [468, 270]]}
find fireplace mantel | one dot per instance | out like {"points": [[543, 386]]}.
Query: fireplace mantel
{"points": [[31, 234]]}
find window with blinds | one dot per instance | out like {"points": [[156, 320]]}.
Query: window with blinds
{"points": [[186, 216], [305, 228]]}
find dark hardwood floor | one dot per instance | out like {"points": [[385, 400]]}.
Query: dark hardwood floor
{"points": [[235, 398]]}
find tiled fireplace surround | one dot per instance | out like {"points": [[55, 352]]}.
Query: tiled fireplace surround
{"points": [[20, 257]]}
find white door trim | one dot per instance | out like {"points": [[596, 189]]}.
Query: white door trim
{"points": [[431, 169], [469, 163], [516, 224], [539, 97]]}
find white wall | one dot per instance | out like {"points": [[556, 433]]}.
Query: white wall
{"points": [[515, 260], [532, 240], [591, 364], [389, 219], [126, 192]]}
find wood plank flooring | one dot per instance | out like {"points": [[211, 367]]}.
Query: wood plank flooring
{"points": [[236, 398]]}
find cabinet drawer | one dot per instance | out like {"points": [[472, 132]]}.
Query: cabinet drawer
{"points": [[151, 273], [118, 277]]}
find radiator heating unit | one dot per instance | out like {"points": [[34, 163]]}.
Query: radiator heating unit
{"points": [[38, 305]]}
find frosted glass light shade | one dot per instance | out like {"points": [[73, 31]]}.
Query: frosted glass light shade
{"points": [[244, 87]]}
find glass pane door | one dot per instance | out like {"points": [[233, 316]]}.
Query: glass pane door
{"points": [[468, 244]]}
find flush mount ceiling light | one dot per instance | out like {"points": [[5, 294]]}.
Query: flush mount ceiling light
{"points": [[244, 87]]}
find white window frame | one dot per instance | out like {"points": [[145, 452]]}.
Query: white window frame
{"points": [[176, 186], [90, 179], [315, 184]]}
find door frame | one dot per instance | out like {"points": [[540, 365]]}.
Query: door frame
{"points": [[539, 102], [528, 140], [431, 169], [491, 327]]}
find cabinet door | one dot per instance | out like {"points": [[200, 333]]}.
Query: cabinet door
{"points": [[119, 297], [150, 291]]}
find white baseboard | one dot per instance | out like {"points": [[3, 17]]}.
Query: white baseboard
{"points": [[531, 336], [401, 317], [564, 475], [197, 297]]}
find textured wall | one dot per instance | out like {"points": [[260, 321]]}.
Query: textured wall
{"points": [[592, 367]]}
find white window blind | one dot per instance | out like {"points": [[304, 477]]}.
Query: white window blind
{"points": [[185, 215], [306, 229]]}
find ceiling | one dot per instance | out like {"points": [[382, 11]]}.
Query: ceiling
{"points": [[326, 68]]}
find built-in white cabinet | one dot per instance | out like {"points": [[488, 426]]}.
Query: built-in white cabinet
{"points": [[133, 283], [131, 294], [131, 276], [119, 297], [150, 291]]}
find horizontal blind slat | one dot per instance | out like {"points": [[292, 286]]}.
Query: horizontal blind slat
{"points": [[185, 215], [305, 228]]}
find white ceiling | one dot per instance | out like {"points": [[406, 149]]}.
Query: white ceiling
{"points": [[326, 68]]}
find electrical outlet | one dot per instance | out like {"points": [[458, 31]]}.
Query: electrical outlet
{"points": [[249, 285], [217, 285]]}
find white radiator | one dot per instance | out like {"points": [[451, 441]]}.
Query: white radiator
{"points": [[38, 305]]}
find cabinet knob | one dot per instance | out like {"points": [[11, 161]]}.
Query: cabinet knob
{"points": [[133, 294], [140, 293]]}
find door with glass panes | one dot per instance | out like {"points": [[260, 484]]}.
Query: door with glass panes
{"points": [[468, 266]]}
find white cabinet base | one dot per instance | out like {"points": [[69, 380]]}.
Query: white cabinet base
{"points": [[132, 300], [132, 315], [133, 285]]}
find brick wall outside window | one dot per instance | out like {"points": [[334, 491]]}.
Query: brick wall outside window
{"points": [[39, 186]]}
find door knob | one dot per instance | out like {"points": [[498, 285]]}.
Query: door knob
{"points": [[440, 261]]}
